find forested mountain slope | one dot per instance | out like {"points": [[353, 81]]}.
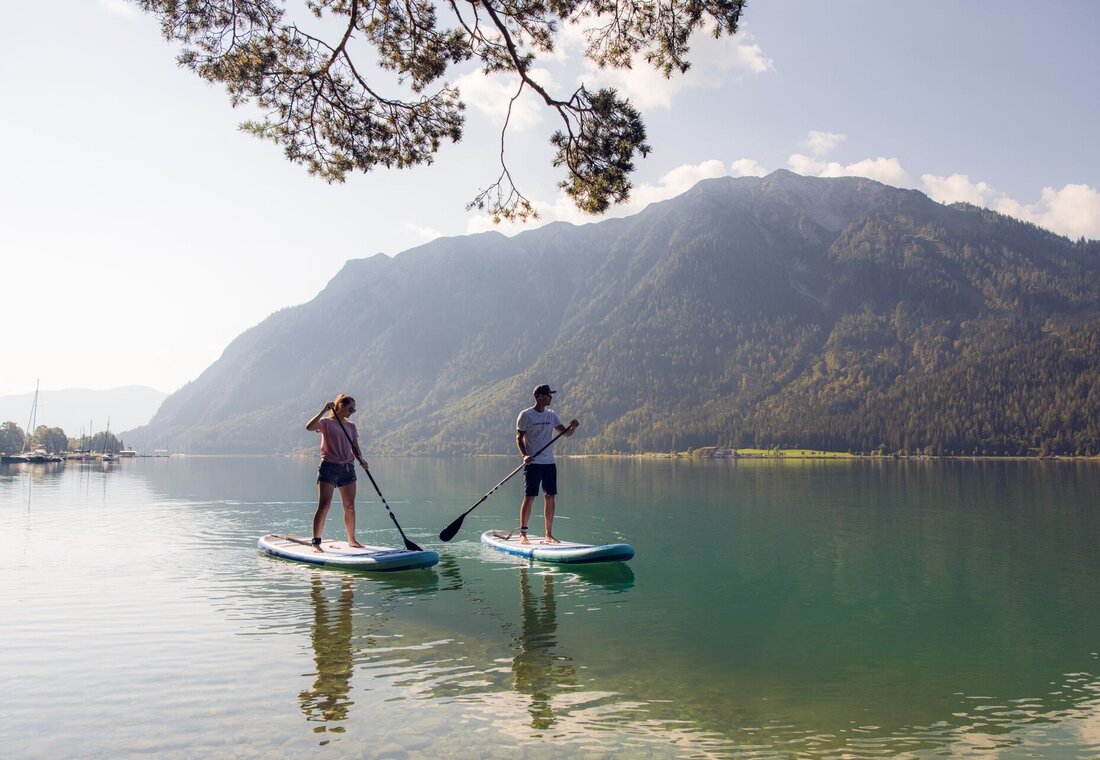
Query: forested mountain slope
{"points": [[784, 310]]}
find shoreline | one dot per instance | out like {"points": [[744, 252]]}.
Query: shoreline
{"points": [[800, 455], [742, 455]]}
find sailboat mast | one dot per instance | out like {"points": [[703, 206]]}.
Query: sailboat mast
{"points": [[32, 419]]}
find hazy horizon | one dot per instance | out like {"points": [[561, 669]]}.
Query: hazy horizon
{"points": [[118, 184]]}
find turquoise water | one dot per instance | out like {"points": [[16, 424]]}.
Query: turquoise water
{"points": [[824, 609]]}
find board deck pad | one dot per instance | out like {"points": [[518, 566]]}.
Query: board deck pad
{"points": [[567, 552], [339, 554]]}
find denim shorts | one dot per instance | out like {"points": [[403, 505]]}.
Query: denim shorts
{"points": [[338, 475], [535, 475]]}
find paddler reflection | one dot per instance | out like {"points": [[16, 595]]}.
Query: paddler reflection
{"points": [[536, 669], [327, 702]]}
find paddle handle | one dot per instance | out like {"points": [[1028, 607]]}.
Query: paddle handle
{"points": [[451, 530], [513, 472]]}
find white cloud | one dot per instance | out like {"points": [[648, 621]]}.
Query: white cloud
{"points": [[747, 167], [886, 170], [644, 87], [713, 63], [561, 210], [752, 58], [673, 183], [823, 143], [955, 189], [118, 7], [679, 180], [424, 234], [492, 94], [570, 42], [1073, 211]]}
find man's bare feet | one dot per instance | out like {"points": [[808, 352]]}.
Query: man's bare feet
{"points": [[523, 538], [355, 544], [550, 540], [316, 543]]}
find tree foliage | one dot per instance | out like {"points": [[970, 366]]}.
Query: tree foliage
{"points": [[103, 441], [11, 438], [332, 111], [52, 439]]}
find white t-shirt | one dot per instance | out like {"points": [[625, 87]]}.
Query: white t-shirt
{"points": [[538, 429]]}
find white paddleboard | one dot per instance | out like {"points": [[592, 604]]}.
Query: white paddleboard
{"points": [[566, 552], [338, 554]]}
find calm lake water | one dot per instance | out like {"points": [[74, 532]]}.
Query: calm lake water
{"points": [[825, 609]]}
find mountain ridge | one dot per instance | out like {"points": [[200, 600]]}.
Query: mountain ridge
{"points": [[757, 311]]}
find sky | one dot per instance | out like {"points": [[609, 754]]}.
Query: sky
{"points": [[141, 231]]}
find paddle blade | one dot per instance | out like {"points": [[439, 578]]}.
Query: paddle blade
{"points": [[452, 530], [412, 546]]}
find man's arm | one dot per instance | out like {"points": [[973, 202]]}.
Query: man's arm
{"points": [[568, 430]]}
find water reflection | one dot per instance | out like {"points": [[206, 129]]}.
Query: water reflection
{"points": [[537, 670], [327, 702], [615, 577], [352, 627], [860, 609], [448, 568], [28, 475]]}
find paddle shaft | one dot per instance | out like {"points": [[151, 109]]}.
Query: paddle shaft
{"points": [[449, 532], [355, 450]]}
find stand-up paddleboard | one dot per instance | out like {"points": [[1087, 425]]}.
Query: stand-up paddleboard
{"points": [[380, 559], [566, 552]]}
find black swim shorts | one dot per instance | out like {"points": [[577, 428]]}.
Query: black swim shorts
{"points": [[338, 475], [535, 475]]}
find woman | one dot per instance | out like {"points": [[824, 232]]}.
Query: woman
{"points": [[337, 470]]}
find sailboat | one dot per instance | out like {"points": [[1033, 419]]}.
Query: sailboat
{"points": [[28, 455], [106, 456]]}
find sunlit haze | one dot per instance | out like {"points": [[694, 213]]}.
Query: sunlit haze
{"points": [[141, 231]]}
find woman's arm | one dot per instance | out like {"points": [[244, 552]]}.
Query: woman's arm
{"points": [[312, 425]]}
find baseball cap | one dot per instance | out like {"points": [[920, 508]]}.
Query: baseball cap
{"points": [[543, 390]]}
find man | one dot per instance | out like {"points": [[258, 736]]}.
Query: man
{"points": [[535, 428]]}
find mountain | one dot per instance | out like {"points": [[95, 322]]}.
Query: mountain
{"points": [[77, 409], [783, 310]]}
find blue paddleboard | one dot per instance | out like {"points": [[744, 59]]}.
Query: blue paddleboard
{"points": [[566, 552], [381, 559]]}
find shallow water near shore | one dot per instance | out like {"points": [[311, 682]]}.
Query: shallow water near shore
{"points": [[774, 609]]}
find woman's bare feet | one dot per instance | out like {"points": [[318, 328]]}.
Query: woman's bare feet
{"points": [[550, 540], [316, 543], [355, 544]]}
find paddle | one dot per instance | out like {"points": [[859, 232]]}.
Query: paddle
{"points": [[449, 532], [408, 544]]}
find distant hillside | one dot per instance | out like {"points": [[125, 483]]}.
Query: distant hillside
{"points": [[784, 310], [76, 409]]}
